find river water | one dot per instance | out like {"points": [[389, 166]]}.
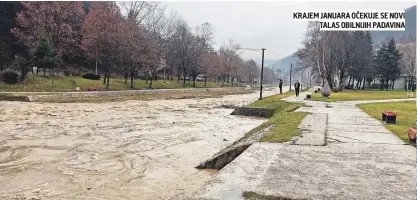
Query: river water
{"points": [[120, 150]]}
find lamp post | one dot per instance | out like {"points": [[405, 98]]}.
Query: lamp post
{"points": [[290, 75], [302, 78], [262, 72]]}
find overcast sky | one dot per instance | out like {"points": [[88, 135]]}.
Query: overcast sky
{"points": [[264, 24]]}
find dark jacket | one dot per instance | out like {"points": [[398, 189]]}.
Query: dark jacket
{"points": [[297, 86], [280, 84]]}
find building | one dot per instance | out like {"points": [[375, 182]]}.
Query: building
{"points": [[400, 83]]}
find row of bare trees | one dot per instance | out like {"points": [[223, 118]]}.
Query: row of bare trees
{"points": [[131, 38], [335, 55]]}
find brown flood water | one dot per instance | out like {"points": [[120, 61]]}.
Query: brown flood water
{"points": [[121, 150]]}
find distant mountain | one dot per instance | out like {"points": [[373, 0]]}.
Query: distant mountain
{"points": [[284, 63], [410, 28], [267, 63]]}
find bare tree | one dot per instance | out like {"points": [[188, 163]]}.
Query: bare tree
{"points": [[253, 71], [211, 66], [161, 26], [138, 10], [206, 33], [408, 61], [227, 53], [180, 49]]}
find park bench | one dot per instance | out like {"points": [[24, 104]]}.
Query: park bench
{"points": [[389, 117], [92, 88], [412, 133]]}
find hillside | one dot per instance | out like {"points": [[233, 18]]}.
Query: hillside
{"points": [[267, 63], [284, 64], [410, 28]]}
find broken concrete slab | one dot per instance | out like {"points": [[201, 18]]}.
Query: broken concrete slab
{"points": [[313, 130], [242, 174], [337, 171], [342, 171], [227, 155], [254, 111], [354, 137], [357, 128], [354, 120]]}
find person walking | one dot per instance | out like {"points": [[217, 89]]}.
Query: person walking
{"points": [[297, 88], [280, 86]]}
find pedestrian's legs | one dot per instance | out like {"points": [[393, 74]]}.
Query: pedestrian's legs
{"points": [[280, 90]]}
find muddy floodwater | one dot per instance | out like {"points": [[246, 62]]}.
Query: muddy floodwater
{"points": [[121, 150]]}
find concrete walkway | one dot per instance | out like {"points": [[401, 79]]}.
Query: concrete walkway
{"points": [[342, 153]]}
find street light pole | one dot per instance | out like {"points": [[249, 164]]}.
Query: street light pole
{"points": [[262, 72], [302, 79], [290, 75]]}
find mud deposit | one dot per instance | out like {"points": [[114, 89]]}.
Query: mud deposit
{"points": [[122, 150]]}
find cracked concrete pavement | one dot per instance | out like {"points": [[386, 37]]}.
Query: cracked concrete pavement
{"points": [[361, 160]]}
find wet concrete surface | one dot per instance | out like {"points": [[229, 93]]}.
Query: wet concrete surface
{"points": [[120, 150], [359, 161]]}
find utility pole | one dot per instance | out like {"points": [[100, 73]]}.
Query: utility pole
{"points": [[302, 78], [290, 75], [262, 72]]}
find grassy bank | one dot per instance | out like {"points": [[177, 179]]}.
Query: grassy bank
{"points": [[350, 95], [284, 122], [35, 83], [406, 112]]}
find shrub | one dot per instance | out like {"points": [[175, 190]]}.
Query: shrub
{"points": [[91, 76], [10, 77], [67, 73], [376, 86]]}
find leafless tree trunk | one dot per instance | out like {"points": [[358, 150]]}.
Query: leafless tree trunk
{"points": [[108, 81]]}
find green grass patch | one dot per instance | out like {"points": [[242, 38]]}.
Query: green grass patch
{"points": [[256, 196], [350, 95], [284, 122], [35, 83], [405, 110]]}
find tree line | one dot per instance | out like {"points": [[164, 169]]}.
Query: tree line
{"points": [[126, 39], [333, 56]]}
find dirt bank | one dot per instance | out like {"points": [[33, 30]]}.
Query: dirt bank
{"points": [[120, 150]]}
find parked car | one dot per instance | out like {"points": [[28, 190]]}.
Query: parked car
{"points": [[186, 78], [317, 87], [199, 78]]}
